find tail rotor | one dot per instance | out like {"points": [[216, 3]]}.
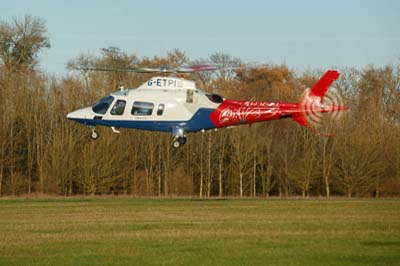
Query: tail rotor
{"points": [[320, 103], [328, 108]]}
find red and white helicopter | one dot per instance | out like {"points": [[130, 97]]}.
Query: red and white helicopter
{"points": [[176, 105]]}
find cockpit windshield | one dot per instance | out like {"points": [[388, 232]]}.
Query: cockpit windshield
{"points": [[102, 106]]}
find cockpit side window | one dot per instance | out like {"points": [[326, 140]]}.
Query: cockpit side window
{"points": [[102, 106], [118, 108], [142, 108]]}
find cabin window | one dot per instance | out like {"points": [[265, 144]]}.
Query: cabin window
{"points": [[215, 98], [142, 108], [102, 106], [160, 109], [118, 108], [189, 96]]}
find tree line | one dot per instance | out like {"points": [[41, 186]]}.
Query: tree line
{"points": [[41, 151]]}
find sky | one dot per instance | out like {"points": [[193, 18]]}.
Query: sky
{"points": [[303, 34]]}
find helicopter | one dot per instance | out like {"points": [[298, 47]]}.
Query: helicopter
{"points": [[175, 105]]}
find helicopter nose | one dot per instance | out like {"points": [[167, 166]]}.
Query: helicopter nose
{"points": [[79, 114]]}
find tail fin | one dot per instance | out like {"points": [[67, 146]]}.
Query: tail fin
{"points": [[311, 104], [321, 87]]}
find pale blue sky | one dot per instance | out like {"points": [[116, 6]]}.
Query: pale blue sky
{"points": [[301, 33]]}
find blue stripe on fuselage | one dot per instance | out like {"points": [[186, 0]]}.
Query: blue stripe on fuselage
{"points": [[200, 120]]}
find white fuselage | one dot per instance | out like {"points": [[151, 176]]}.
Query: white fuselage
{"points": [[162, 104]]}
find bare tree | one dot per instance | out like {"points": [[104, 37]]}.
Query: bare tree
{"points": [[221, 146], [303, 171], [241, 157], [358, 159], [21, 41], [265, 160]]}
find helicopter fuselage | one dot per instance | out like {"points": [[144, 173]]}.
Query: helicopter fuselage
{"points": [[175, 105], [172, 104]]}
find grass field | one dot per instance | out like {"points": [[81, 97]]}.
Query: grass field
{"points": [[123, 231]]}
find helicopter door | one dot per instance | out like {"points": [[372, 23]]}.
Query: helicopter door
{"points": [[189, 96]]}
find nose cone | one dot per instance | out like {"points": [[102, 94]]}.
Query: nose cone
{"points": [[80, 114]]}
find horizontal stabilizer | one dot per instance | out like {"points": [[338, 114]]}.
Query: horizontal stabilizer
{"points": [[301, 119]]}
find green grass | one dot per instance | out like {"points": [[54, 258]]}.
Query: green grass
{"points": [[116, 231]]}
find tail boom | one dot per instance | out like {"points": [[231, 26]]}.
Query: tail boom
{"points": [[232, 112]]}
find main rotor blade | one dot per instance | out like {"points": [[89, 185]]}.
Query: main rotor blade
{"points": [[122, 69], [202, 68], [166, 69], [196, 68]]}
